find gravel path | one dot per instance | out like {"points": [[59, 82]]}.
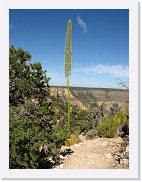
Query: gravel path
{"points": [[93, 154]]}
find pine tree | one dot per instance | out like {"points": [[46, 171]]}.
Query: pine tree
{"points": [[68, 63]]}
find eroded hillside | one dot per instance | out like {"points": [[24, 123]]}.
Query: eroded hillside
{"points": [[63, 93], [82, 97]]}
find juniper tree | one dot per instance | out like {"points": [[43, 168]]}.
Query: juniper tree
{"points": [[34, 136], [68, 63]]}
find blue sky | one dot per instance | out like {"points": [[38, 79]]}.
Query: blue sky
{"points": [[100, 44]]}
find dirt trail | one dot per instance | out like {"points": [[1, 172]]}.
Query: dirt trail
{"points": [[93, 154]]}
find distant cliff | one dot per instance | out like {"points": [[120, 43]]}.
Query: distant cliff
{"points": [[82, 96]]}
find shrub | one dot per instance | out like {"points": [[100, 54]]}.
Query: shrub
{"points": [[93, 104], [34, 132], [91, 134], [107, 128], [115, 108]]}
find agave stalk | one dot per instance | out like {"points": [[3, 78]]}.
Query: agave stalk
{"points": [[68, 63]]}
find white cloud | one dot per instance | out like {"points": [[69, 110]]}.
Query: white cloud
{"points": [[116, 71], [81, 22]]}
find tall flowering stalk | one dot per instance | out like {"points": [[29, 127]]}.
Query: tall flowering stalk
{"points": [[68, 63]]}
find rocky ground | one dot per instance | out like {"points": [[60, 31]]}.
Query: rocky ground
{"points": [[99, 153]]}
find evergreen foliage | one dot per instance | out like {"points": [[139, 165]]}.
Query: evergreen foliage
{"points": [[34, 114]]}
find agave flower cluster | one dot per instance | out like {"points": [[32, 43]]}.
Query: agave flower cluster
{"points": [[68, 50]]}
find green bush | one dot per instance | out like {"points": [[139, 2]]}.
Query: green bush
{"points": [[34, 130], [94, 104], [107, 128], [79, 120]]}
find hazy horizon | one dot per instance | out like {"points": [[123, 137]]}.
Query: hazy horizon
{"points": [[121, 88]]}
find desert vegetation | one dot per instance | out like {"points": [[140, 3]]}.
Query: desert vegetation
{"points": [[38, 120]]}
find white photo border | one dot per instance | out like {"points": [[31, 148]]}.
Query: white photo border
{"points": [[133, 171]]}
